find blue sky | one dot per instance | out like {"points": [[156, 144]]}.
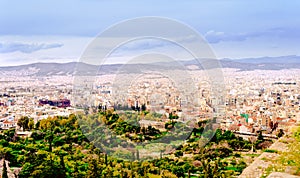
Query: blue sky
{"points": [[59, 31]]}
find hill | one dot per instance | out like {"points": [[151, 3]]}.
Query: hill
{"points": [[79, 68]]}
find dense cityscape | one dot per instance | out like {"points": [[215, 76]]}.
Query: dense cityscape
{"points": [[260, 107]]}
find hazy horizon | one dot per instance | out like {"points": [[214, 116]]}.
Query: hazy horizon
{"points": [[124, 62]]}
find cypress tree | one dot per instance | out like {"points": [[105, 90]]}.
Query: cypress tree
{"points": [[137, 154], [105, 159], [4, 171]]}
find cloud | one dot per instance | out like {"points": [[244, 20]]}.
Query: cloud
{"points": [[143, 44], [216, 37], [25, 47], [150, 43], [140, 45]]}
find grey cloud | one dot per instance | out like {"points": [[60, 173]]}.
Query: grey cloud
{"points": [[26, 47]]}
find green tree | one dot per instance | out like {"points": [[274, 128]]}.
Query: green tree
{"points": [[23, 122], [31, 124], [95, 167]]}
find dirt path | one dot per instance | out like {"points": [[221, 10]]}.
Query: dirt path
{"points": [[256, 169]]}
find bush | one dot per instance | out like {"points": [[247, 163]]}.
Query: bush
{"points": [[270, 151], [178, 153], [280, 133], [37, 135], [264, 144], [4, 143], [238, 155]]}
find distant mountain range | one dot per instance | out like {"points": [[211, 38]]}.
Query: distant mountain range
{"points": [[77, 68], [263, 63], [292, 59]]}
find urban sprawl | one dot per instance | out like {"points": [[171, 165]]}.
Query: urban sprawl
{"points": [[260, 100]]}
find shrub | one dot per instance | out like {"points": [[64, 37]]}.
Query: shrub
{"points": [[270, 151]]}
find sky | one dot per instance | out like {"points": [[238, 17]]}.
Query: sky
{"points": [[60, 31]]}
